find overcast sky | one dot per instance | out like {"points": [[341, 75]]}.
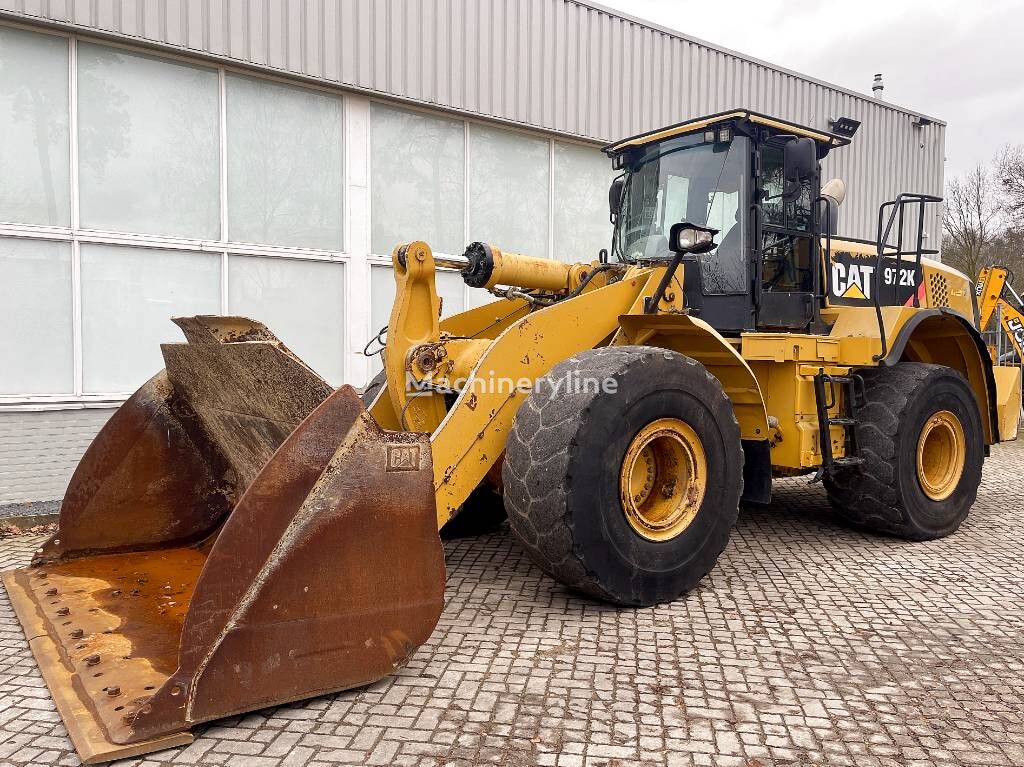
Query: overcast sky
{"points": [[957, 60]]}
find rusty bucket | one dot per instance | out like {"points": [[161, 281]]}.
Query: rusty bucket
{"points": [[238, 535]]}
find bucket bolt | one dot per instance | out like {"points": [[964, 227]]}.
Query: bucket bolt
{"points": [[51, 592], [63, 611], [114, 691], [92, 660], [77, 634]]}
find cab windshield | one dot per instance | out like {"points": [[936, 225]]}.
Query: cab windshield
{"points": [[688, 179]]}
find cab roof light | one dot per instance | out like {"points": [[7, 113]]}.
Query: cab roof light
{"points": [[844, 126]]}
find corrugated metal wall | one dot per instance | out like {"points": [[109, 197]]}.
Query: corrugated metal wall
{"points": [[559, 65]]}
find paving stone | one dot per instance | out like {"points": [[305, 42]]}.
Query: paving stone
{"points": [[810, 643]]}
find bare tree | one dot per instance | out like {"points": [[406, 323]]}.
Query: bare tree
{"points": [[970, 221], [1010, 174]]}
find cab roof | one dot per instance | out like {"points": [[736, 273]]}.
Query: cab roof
{"points": [[700, 123]]}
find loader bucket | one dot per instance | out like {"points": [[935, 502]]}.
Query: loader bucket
{"points": [[237, 536]]}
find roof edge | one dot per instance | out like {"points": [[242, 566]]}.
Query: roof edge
{"points": [[752, 59], [698, 123]]}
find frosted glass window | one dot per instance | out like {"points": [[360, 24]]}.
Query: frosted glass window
{"points": [[582, 177], [128, 298], [34, 152], [36, 355], [284, 165], [450, 289], [148, 144], [302, 302], [416, 180], [508, 190]]}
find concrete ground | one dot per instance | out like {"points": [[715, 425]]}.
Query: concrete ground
{"points": [[810, 643]]}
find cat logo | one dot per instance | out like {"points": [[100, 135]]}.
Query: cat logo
{"points": [[852, 280], [403, 457]]}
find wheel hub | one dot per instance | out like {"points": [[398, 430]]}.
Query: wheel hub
{"points": [[941, 455], [663, 479]]}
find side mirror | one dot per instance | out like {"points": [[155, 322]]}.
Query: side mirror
{"points": [[690, 238], [615, 195], [799, 161]]}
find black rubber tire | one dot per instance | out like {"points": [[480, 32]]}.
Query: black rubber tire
{"points": [[884, 494], [562, 464]]}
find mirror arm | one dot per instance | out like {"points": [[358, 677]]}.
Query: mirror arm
{"points": [[652, 301]]}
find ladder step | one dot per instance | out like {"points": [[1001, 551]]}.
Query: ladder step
{"points": [[843, 421], [850, 460]]}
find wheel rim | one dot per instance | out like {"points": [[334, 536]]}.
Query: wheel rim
{"points": [[663, 479], [941, 454]]}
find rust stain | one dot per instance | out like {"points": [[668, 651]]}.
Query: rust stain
{"points": [[174, 597]]}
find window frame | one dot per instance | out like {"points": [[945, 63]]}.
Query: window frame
{"points": [[222, 246], [356, 254]]}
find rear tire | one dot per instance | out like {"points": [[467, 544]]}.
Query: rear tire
{"points": [[569, 466], [920, 434]]}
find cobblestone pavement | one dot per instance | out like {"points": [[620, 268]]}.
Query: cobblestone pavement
{"points": [[810, 643]]}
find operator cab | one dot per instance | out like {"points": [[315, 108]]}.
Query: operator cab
{"points": [[753, 180]]}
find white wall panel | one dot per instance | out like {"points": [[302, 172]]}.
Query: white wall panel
{"points": [[34, 126], [560, 65], [129, 296], [147, 144], [35, 303], [303, 302]]}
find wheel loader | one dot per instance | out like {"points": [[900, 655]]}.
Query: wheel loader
{"points": [[241, 535]]}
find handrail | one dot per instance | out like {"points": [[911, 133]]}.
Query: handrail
{"points": [[822, 276], [882, 242]]}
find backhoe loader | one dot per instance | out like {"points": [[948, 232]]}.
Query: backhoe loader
{"points": [[240, 534], [994, 282]]}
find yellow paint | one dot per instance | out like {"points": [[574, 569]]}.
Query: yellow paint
{"points": [[491, 356], [531, 272], [1008, 400], [472, 436], [941, 455], [663, 479], [414, 321], [695, 338]]}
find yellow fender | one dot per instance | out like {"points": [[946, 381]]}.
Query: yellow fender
{"points": [[697, 339]]}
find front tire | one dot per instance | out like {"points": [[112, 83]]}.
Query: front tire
{"points": [[626, 495], [920, 435]]}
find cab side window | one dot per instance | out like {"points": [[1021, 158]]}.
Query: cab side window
{"points": [[786, 262]]}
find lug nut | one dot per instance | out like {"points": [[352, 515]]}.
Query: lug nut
{"points": [[92, 660]]}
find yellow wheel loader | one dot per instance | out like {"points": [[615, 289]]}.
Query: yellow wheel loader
{"points": [[240, 535]]}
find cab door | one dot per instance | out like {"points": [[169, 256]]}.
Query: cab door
{"points": [[787, 249]]}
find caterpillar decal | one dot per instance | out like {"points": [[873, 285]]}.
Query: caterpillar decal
{"points": [[852, 279]]}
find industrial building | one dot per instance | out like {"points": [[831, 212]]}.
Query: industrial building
{"points": [[262, 158]]}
